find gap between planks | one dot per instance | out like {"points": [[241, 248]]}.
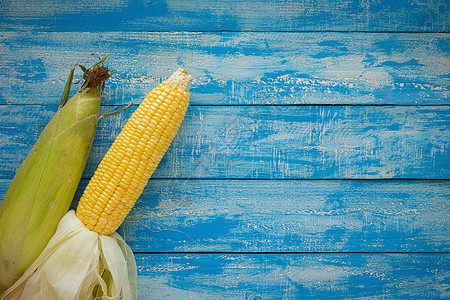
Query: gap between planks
{"points": [[256, 105], [251, 31], [284, 252]]}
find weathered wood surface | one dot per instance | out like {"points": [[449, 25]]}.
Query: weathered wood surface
{"points": [[287, 216], [233, 15], [271, 142], [235, 68], [269, 190], [290, 216], [294, 276]]}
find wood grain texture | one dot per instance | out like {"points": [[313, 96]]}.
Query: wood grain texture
{"points": [[293, 276], [270, 142], [287, 216], [290, 216], [231, 15], [270, 190], [235, 68]]}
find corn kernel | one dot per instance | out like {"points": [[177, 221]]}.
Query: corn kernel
{"points": [[133, 157]]}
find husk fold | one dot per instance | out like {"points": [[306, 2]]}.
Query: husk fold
{"points": [[45, 184], [79, 264]]}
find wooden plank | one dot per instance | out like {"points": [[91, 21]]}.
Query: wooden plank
{"points": [[234, 15], [293, 276], [290, 216], [271, 142], [287, 216], [235, 68]]}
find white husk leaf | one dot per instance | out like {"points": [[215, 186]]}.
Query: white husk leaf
{"points": [[79, 264]]}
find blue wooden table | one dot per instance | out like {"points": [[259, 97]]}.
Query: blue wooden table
{"points": [[314, 159]]}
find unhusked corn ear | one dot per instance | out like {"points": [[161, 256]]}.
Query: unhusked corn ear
{"points": [[133, 157], [45, 184]]}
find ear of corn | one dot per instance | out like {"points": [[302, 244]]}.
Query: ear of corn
{"points": [[43, 187], [134, 155], [105, 267]]}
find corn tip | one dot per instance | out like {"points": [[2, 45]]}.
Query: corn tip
{"points": [[180, 78]]}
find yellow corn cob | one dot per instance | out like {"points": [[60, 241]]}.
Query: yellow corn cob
{"points": [[127, 166]]}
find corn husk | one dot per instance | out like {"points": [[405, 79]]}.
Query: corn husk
{"points": [[45, 184], [79, 264]]}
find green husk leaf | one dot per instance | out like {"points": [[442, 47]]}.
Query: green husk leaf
{"points": [[45, 184], [115, 112], [65, 95]]}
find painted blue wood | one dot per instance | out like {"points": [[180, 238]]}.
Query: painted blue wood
{"points": [[271, 142], [287, 216], [273, 108], [290, 216], [293, 276], [207, 15], [235, 68]]}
